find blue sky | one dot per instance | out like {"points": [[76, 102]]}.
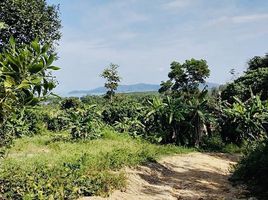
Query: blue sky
{"points": [[144, 36]]}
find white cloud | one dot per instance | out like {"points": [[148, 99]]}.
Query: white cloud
{"points": [[127, 35], [175, 4], [250, 18], [143, 38], [238, 19]]}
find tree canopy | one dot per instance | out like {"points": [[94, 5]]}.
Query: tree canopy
{"points": [[25, 76], [186, 77], [26, 20], [254, 80], [112, 79]]}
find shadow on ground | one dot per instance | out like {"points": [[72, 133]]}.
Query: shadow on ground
{"points": [[203, 179]]}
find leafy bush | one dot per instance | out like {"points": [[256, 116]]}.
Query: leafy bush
{"points": [[35, 120], [54, 118], [84, 124], [119, 110], [179, 120], [25, 77], [244, 120], [214, 143], [255, 79], [253, 170], [70, 103]]}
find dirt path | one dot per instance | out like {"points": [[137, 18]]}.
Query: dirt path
{"points": [[194, 176]]}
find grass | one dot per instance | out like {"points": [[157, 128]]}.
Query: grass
{"points": [[51, 166]]}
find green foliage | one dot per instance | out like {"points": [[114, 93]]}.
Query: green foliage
{"points": [[54, 118], [255, 79], [25, 75], [66, 181], [186, 77], [253, 170], [40, 167], [215, 143], [119, 110], [185, 113], [244, 120], [113, 79], [25, 79], [84, 123], [26, 20], [68, 103], [180, 120]]}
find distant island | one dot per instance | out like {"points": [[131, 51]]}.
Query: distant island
{"points": [[139, 87]]}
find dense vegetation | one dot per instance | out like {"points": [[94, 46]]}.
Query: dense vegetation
{"points": [[54, 148], [253, 170], [250, 117], [52, 166], [255, 79], [58, 136], [26, 20]]}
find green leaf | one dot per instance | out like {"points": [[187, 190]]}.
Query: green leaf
{"points": [[55, 95], [24, 84], [36, 80], [36, 46], [2, 25], [170, 118], [45, 48], [50, 85], [53, 67], [50, 60], [12, 42], [36, 68], [9, 82]]}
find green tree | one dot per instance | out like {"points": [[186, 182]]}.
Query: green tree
{"points": [[26, 20], [185, 78], [25, 79], [255, 79], [112, 80], [186, 112]]}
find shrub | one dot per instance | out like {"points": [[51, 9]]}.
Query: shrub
{"points": [[84, 123], [244, 120], [25, 77], [253, 170], [70, 103], [215, 143]]}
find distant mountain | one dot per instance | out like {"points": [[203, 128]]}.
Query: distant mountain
{"points": [[140, 87]]}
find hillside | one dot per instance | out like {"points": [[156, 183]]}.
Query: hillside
{"points": [[139, 87]]}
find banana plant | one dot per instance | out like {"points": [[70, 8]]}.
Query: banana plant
{"points": [[245, 120], [199, 116]]}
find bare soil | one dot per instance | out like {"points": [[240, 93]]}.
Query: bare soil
{"points": [[194, 176]]}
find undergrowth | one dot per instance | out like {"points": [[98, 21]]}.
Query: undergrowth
{"points": [[53, 167], [215, 144], [253, 170]]}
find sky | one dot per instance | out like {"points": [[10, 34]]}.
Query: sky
{"points": [[144, 36]]}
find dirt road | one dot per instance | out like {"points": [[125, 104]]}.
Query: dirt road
{"points": [[194, 176]]}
